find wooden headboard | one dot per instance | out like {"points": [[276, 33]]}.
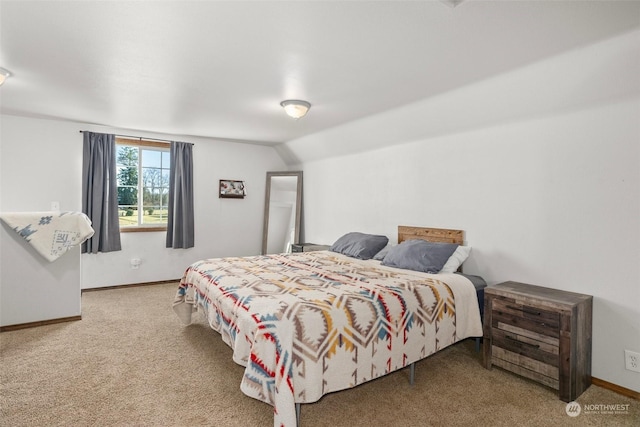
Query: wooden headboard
{"points": [[441, 235]]}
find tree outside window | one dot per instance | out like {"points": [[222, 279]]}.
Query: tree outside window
{"points": [[143, 184]]}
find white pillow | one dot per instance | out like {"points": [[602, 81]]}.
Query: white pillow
{"points": [[456, 259]]}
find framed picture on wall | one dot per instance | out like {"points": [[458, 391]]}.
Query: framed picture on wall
{"points": [[232, 189]]}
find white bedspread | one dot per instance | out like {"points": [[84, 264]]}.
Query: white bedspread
{"points": [[50, 233]]}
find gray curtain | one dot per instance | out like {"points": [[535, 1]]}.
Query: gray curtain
{"points": [[180, 217], [100, 192]]}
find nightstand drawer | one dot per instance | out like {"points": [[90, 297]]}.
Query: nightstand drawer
{"points": [[525, 317], [522, 365], [526, 346]]}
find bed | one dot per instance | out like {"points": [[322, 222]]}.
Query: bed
{"points": [[310, 323]]}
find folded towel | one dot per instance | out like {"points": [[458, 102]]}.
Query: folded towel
{"points": [[50, 233]]}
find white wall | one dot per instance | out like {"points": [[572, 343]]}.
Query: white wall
{"points": [[36, 169], [547, 195], [42, 162]]}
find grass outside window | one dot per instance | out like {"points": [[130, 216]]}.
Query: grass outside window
{"points": [[143, 184]]}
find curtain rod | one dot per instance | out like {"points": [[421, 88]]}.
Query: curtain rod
{"points": [[136, 137]]}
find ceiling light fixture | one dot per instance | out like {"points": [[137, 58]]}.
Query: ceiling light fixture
{"points": [[4, 75], [452, 3], [295, 108]]}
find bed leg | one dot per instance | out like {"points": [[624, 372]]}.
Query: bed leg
{"points": [[297, 415], [412, 373], [478, 344]]}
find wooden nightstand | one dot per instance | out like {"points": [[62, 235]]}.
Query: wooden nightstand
{"points": [[308, 247], [540, 333]]}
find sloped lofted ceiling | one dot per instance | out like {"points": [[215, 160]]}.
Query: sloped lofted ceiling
{"points": [[219, 69]]}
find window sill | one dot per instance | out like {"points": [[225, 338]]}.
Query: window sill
{"points": [[141, 229]]}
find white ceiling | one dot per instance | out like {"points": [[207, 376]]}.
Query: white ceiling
{"points": [[220, 68]]}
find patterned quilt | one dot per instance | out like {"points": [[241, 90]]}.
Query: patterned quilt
{"points": [[307, 324], [51, 234]]}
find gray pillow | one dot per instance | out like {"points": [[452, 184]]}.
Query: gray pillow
{"points": [[359, 245], [419, 255], [383, 253]]}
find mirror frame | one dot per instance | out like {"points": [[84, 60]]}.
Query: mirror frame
{"points": [[267, 197]]}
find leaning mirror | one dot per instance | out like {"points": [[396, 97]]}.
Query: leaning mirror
{"points": [[282, 210]]}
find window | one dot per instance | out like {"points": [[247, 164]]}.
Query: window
{"points": [[143, 184]]}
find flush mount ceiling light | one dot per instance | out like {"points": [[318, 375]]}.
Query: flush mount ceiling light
{"points": [[452, 3], [295, 108], [4, 74]]}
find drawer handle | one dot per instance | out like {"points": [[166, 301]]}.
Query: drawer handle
{"points": [[525, 310], [536, 346]]}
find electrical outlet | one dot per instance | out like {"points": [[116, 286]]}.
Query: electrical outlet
{"points": [[632, 360]]}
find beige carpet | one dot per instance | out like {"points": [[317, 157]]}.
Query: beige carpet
{"points": [[130, 362]]}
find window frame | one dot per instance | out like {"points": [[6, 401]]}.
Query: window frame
{"points": [[141, 142]]}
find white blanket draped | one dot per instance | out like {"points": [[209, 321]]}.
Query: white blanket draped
{"points": [[50, 233]]}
